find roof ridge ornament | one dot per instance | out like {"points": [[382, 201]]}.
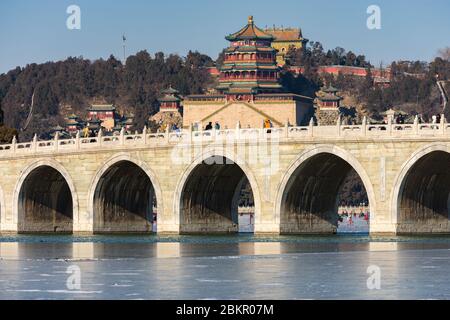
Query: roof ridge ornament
{"points": [[250, 20]]}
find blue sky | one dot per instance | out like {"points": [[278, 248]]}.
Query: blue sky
{"points": [[35, 31]]}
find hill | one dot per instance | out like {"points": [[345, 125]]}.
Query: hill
{"points": [[39, 96]]}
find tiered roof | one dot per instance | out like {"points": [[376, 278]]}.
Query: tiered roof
{"points": [[94, 124], [102, 108], [250, 32], [250, 41], [285, 35], [330, 89], [169, 95], [329, 97]]}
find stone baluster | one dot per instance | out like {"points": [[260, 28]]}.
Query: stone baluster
{"points": [[238, 130], [167, 134], [364, 126], [416, 125], [99, 137], [190, 133], [389, 126], [56, 141], [14, 144], [442, 124], [214, 134], [122, 136], [35, 143], [77, 140], [311, 127], [144, 134], [286, 129], [338, 125]]}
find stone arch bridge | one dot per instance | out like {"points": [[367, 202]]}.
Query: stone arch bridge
{"points": [[112, 183]]}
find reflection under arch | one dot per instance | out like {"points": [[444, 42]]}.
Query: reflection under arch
{"points": [[45, 201], [207, 196], [307, 200], [421, 196], [124, 199]]}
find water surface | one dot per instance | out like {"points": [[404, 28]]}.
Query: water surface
{"points": [[224, 267]]}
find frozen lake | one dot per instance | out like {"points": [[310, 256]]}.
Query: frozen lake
{"points": [[239, 267]]}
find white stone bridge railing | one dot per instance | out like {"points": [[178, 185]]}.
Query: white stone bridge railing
{"points": [[390, 130]]}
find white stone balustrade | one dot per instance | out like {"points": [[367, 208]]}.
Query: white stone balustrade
{"points": [[101, 141]]}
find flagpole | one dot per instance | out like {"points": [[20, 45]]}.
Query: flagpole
{"points": [[124, 53]]}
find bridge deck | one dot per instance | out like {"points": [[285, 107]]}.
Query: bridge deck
{"points": [[415, 131]]}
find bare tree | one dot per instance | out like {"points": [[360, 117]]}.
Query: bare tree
{"points": [[445, 53]]}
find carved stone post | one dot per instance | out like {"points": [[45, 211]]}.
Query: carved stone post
{"points": [[416, 125], [167, 134], [238, 130], [311, 127], [286, 129], [77, 140], [144, 134], [56, 141], [122, 136], [14, 144], [35, 143], [338, 125], [364, 126], [99, 137]]}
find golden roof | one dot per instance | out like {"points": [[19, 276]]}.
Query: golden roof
{"points": [[250, 32], [290, 34]]}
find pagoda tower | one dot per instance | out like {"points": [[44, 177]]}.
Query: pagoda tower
{"points": [[170, 110], [249, 93], [250, 65], [170, 101], [328, 106]]}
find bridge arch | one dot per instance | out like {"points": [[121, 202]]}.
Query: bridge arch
{"points": [[120, 197], [420, 199], [45, 189], [192, 187], [336, 163]]}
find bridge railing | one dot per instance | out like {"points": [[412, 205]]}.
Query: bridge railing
{"points": [[338, 131]]}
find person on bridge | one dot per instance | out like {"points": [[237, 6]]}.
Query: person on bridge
{"points": [[86, 132], [208, 127], [217, 126], [268, 125]]}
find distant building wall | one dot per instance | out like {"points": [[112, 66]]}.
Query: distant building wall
{"points": [[348, 70], [248, 114]]}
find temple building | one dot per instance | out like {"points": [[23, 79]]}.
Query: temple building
{"points": [[170, 101], [284, 39], [94, 125], [328, 106], [170, 110], [106, 113], [249, 90], [73, 124], [249, 66]]}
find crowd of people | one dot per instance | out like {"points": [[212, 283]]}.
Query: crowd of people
{"points": [[209, 126], [353, 220]]}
